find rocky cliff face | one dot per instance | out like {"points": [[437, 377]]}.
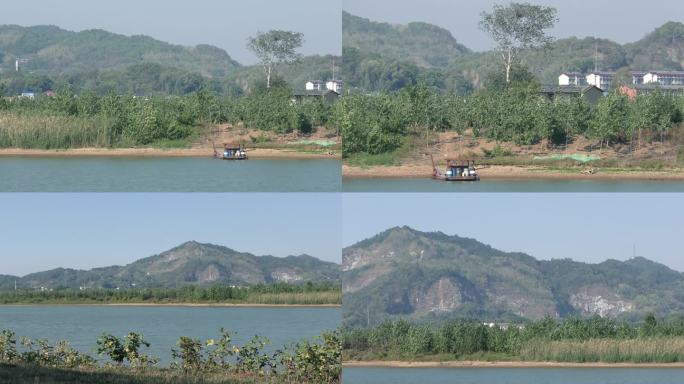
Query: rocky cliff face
{"points": [[432, 276], [190, 263]]}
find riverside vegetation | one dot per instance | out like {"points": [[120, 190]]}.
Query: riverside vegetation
{"points": [[275, 294], [67, 120], [384, 124], [574, 339], [195, 361]]}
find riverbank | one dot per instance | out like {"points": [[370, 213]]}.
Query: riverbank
{"points": [[256, 153], [510, 172], [30, 374], [178, 305], [500, 364]]}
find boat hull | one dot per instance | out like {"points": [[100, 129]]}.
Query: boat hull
{"points": [[458, 178]]}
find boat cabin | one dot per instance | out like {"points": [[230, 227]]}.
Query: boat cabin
{"points": [[232, 152], [457, 170]]}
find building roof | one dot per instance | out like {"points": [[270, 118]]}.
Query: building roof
{"points": [[601, 73], [572, 73], [667, 73], [314, 92], [652, 86], [568, 89], [316, 81]]}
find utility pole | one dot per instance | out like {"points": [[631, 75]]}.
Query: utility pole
{"points": [[595, 57], [333, 69]]}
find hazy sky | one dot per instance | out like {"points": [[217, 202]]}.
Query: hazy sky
{"points": [[620, 20], [44, 231], [585, 227], [226, 24]]}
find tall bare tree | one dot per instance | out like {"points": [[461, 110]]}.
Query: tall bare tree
{"points": [[275, 47], [518, 26]]}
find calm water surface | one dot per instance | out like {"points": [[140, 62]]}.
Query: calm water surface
{"points": [[162, 326], [180, 174], [511, 376], [430, 185]]}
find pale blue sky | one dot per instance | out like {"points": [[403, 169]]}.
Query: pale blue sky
{"points": [[226, 24], [45, 231], [583, 226], [620, 20]]}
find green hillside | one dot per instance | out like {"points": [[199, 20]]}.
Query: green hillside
{"points": [[435, 277], [104, 62], [383, 57], [190, 263]]}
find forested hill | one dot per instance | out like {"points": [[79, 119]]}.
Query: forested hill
{"points": [[52, 50], [430, 276], [191, 263], [103, 62], [381, 57], [423, 44]]}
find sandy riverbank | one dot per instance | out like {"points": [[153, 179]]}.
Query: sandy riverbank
{"points": [[503, 172], [258, 153], [502, 364], [180, 305]]}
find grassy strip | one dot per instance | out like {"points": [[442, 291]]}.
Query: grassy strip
{"points": [[53, 131], [653, 350], [286, 298], [31, 374]]}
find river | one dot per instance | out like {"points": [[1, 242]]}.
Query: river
{"points": [[167, 174]]}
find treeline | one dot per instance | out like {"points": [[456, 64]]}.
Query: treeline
{"points": [[67, 120], [572, 339], [309, 361], [279, 293], [140, 79], [375, 124]]}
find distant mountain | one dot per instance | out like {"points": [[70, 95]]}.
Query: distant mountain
{"points": [[423, 44], [190, 263], [381, 56], [433, 277], [103, 62], [51, 50]]}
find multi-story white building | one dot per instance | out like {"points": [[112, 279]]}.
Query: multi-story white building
{"points": [[572, 78], [664, 77], [315, 85], [334, 85], [600, 79]]}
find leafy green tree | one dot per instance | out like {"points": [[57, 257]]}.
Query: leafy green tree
{"points": [[273, 47], [516, 27]]}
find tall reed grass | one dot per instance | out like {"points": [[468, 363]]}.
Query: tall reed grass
{"points": [[303, 298], [44, 130], [641, 350]]}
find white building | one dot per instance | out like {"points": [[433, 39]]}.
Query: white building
{"points": [[601, 79], [334, 85], [315, 85], [571, 78], [664, 77]]}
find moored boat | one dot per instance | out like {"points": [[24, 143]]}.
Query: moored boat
{"points": [[456, 170]]}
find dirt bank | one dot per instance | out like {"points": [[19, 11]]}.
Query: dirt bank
{"points": [[258, 153], [502, 172], [503, 364]]}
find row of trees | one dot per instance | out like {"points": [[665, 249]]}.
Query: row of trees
{"points": [[309, 361], [375, 124], [67, 120], [401, 338], [188, 294]]}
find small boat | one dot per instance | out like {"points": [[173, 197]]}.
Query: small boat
{"points": [[456, 170], [231, 152]]}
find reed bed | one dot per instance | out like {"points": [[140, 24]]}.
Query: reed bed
{"points": [[43, 130], [640, 350], [294, 298]]}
